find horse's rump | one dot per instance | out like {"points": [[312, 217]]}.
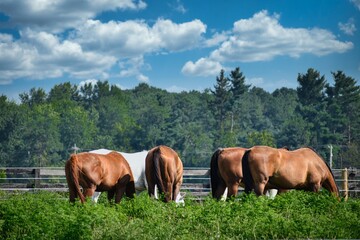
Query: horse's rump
{"points": [[164, 169], [226, 171]]}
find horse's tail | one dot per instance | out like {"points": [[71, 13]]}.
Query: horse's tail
{"points": [[214, 172], [247, 177], [72, 176], [157, 170]]}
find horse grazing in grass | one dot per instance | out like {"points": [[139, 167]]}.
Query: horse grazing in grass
{"points": [[226, 173], [136, 161], [99, 172], [164, 169], [265, 167]]}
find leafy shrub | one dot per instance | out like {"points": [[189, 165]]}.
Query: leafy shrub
{"points": [[294, 214]]}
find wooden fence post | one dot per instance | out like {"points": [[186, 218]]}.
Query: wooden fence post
{"points": [[37, 178], [345, 183]]}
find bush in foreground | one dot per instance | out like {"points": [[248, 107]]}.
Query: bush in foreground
{"points": [[294, 214]]}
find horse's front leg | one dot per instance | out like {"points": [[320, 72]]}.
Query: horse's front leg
{"points": [[176, 192], [110, 194], [121, 187], [168, 192], [119, 193]]}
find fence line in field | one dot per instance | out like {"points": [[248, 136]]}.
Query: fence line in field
{"points": [[196, 180]]}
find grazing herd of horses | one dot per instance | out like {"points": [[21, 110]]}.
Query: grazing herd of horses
{"points": [[260, 169]]}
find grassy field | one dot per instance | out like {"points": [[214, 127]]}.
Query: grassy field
{"points": [[292, 215]]}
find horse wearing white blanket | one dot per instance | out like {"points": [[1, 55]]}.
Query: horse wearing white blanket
{"points": [[137, 165]]}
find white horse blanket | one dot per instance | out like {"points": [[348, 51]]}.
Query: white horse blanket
{"points": [[137, 165]]}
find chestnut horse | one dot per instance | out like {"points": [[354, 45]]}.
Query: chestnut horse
{"points": [[92, 171], [164, 169], [226, 173], [266, 167]]}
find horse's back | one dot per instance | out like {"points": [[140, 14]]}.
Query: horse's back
{"points": [[266, 160], [314, 161]]}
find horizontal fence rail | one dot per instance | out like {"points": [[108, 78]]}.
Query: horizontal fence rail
{"points": [[196, 181]]}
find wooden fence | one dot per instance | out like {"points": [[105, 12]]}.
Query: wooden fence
{"points": [[196, 180]]}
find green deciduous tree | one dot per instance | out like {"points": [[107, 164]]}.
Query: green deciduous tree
{"points": [[34, 97], [261, 138], [36, 140]]}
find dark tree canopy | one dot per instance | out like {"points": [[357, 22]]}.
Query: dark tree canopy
{"points": [[42, 129]]}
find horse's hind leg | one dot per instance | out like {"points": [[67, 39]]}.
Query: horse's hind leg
{"points": [[259, 188], [232, 190], [260, 184], [220, 190], [72, 192]]}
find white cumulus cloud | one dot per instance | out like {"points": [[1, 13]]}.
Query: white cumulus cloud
{"points": [[263, 38], [55, 16], [202, 67], [40, 55]]}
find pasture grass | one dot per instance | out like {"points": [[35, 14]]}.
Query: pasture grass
{"points": [[291, 215]]}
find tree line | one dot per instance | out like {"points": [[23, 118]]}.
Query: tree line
{"points": [[43, 128]]}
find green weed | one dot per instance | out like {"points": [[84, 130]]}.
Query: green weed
{"points": [[291, 215]]}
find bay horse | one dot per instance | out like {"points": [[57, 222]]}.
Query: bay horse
{"points": [[164, 170], [99, 172], [226, 173], [265, 167]]}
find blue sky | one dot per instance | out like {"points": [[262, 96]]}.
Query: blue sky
{"points": [[177, 45]]}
